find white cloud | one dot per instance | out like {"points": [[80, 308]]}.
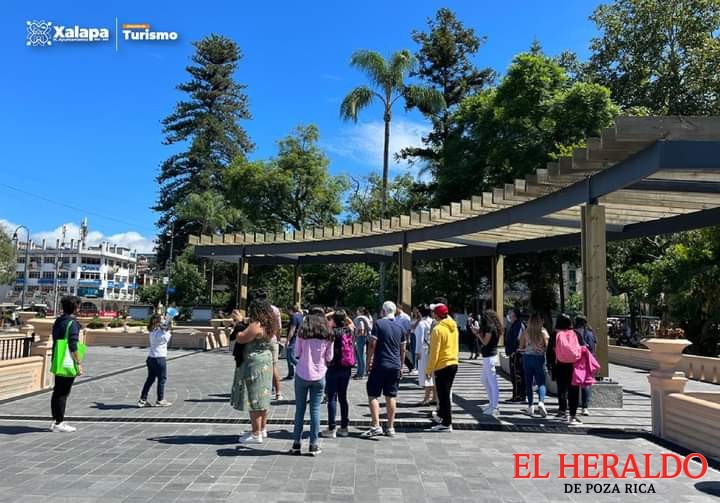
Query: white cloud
{"points": [[130, 239], [364, 142]]}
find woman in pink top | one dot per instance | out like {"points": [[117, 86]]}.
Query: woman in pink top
{"points": [[313, 351]]}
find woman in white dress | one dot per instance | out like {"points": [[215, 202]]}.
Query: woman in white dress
{"points": [[422, 345]]}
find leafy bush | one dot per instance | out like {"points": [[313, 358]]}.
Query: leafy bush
{"points": [[115, 323], [136, 323], [95, 323]]}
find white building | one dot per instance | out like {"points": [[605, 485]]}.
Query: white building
{"points": [[103, 276]]}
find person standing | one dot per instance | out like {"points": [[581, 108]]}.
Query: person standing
{"points": [[337, 378], [588, 336], [386, 353], [422, 346], [65, 326], [363, 326], [296, 321], [562, 353], [533, 345], [253, 378], [512, 338], [156, 362], [489, 335], [474, 341], [403, 319], [313, 350], [442, 362]]}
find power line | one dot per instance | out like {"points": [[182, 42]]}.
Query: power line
{"points": [[75, 208]]}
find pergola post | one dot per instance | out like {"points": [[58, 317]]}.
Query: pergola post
{"points": [[594, 272], [297, 285], [405, 279], [243, 274], [497, 271]]}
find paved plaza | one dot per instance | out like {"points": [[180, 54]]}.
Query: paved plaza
{"points": [[189, 452]]}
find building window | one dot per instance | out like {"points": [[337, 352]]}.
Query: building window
{"points": [[20, 274], [62, 275], [90, 276], [49, 260], [21, 259], [48, 275], [90, 260], [72, 290], [73, 260], [34, 274]]}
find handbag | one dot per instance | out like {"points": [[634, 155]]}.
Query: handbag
{"points": [[63, 364]]}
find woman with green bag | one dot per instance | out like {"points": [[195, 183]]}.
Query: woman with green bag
{"points": [[66, 337]]}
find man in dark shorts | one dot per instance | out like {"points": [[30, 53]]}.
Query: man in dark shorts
{"points": [[386, 352]]}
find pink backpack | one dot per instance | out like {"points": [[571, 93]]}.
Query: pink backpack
{"points": [[567, 348], [347, 355]]}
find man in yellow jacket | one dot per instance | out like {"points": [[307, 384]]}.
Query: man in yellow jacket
{"points": [[443, 363]]}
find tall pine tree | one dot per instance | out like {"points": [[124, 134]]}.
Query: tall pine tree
{"points": [[207, 124]]}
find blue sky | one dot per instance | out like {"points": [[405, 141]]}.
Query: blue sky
{"points": [[81, 122]]}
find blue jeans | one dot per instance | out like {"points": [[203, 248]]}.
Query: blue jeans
{"points": [[585, 394], [338, 379], [360, 342], [534, 368], [157, 369], [315, 389], [290, 356]]}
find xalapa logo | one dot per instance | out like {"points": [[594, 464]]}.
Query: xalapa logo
{"points": [[141, 31], [45, 33]]}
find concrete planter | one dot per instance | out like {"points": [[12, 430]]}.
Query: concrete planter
{"points": [[666, 353]]}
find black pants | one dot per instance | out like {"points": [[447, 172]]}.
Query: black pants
{"points": [[517, 375], [60, 393], [443, 384], [157, 369], [566, 391]]}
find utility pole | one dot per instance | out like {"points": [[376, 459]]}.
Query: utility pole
{"points": [[27, 261], [168, 268]]}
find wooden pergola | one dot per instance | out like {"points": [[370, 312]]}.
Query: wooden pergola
{"points": [[642, 177]]}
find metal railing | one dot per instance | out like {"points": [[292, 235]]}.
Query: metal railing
{"points": [[12, 348]]}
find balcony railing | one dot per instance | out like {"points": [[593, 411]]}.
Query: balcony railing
{"points": [[14, 346]]}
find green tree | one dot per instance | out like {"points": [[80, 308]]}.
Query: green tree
{"points": [[152, 294], [210, 211], [387, 79], [364, 201], [7, 258], [445, 64], [660, 55], [292, 190], [207, 125], [189, 283]]}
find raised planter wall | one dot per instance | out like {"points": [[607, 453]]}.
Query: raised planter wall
{"points": [[21, 376], [118, 337], [701, 368]]}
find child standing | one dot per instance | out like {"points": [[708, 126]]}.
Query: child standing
{"points": [[156, 363]]}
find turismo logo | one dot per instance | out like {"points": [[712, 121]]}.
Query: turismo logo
{"points": [[44, 33], [142, 32]]}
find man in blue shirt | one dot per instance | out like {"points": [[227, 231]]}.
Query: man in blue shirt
{"points": [[386, 352], [296, 321]]}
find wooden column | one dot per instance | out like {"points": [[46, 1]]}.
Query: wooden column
{"points": [[594, 270], [243, 273], [297, 285], [497, 272], [405, 279]]}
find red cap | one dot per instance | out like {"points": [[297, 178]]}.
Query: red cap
{"points": [[441, 310]]}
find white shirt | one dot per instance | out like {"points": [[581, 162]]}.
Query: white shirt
{"points": [[159, 339], [422, 335]]}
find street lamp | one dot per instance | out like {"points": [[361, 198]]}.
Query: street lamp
{"points": [[27, 261], [168, 268]]}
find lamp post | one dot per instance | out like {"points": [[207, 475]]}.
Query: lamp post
{"points": [[168, 269], [27, 261]]}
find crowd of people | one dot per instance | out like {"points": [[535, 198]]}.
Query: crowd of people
{"points": [[324, 347]]}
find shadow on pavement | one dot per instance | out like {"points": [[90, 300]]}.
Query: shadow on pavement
{"points": [[112, 406], [197, 439], [247, 451], [207, 400], [21, 430]]}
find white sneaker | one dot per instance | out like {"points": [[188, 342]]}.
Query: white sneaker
{"points": [[491, 412], [390, 432], [64, 428], [585, 412], [264, 433], [328, 433], [249, 438], [413, 372], [542, 409], [52, 426], [374, 431], [343, 432], [163, 403], [531, 411], [143, 403], [435, 418], [440, 428]]}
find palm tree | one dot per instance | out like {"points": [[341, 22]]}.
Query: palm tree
{"points": [[387, 79], [388, 85]]}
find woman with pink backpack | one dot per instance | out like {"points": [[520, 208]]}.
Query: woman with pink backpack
{"points": [[564, 350], [337, 378]]}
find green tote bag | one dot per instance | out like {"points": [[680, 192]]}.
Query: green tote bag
{"points": [[63, 364]]}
